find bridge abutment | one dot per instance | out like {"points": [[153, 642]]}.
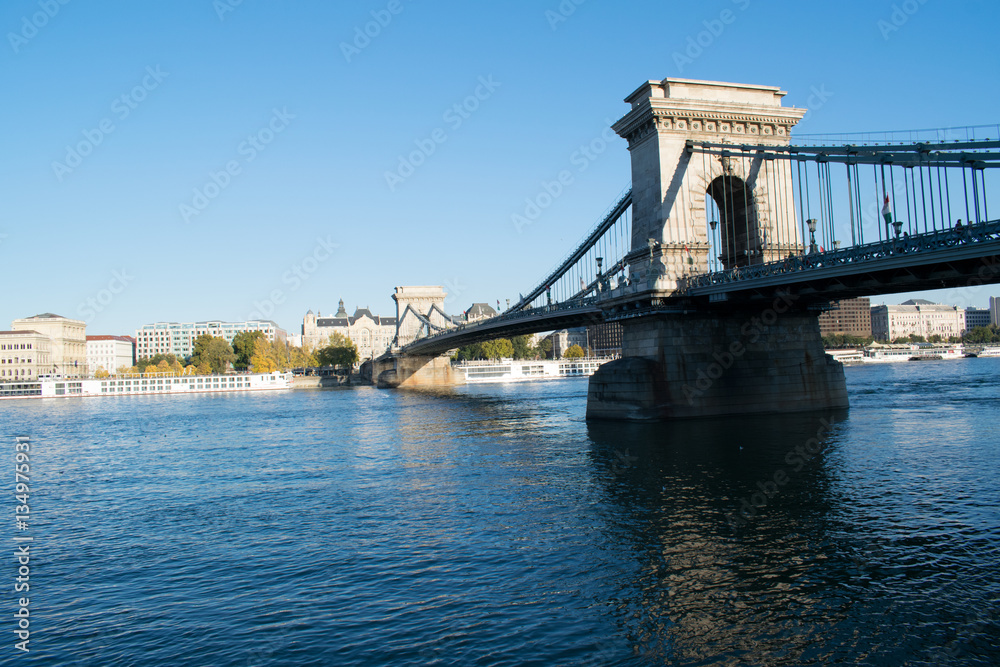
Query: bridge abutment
{"points": [[707, 364], [413, 371]]}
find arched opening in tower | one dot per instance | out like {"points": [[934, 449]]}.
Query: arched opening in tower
{"points": [[736, 239]]}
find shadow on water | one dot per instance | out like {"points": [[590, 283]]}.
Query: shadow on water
{"points": [[736, 562]]}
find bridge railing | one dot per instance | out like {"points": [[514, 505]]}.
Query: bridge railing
{"points": [[853, 255]]}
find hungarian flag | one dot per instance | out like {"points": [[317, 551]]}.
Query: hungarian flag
{"points": [[887, 211]]}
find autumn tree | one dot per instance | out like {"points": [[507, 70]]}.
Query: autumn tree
{"points": [[244, 347], [573, 352]]}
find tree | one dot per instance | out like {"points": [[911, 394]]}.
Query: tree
{"points": [[983, 335], [215, 352], [501, 348], [244, 347], [100, 373], [544, 348], [341, 351], [573, 352], [470, 352], [523, 349], [263, 360]]}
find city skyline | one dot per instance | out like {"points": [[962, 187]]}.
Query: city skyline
{"points": [[185, 173]]}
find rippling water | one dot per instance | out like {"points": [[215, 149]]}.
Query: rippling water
{"points": [[494, 526]]}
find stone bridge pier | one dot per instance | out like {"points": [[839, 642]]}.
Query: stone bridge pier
{"points": [[749, 360], [393, 371]]}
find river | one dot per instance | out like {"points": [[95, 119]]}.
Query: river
{"points": [[492, 525]]}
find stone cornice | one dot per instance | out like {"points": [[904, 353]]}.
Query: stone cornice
{"points": [[763, 123]]}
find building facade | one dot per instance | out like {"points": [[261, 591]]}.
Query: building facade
{"points": [[480, 311], [848, 317], [977, 317], [24, 355], [67, 341], [995, 311], [605, 339], [564, 339], [110, 353], [371, 334], [917, 317], [177, 338]]}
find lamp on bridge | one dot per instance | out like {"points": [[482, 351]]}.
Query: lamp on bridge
{"points": [[811, 222], [713, 224], [897, 225], [600, 261]]}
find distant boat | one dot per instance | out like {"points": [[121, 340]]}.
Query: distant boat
{"points": [[990, 352]]}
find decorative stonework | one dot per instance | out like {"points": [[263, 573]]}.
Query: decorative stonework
{"points": [[671, 210]]}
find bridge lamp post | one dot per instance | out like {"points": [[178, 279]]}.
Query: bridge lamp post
{"points": [[811, 222], [897, 226], [600, 261], [713, 224]]}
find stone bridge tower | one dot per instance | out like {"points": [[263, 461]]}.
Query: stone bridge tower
{"points": [[670, 183], [727, 357]]}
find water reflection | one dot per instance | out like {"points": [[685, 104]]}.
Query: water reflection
{"points": [[725, 519]]}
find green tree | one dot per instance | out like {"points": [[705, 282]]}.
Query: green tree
{"points": [[523, 349], [470, 352], [341, 351], [217, 353], [244, 347], [501, 348], [544, 348], [573, 352], [983, 335], [100, 373]]}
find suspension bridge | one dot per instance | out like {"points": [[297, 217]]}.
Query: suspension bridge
{"points": [[731, 240]]}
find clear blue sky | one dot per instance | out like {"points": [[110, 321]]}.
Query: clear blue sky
{"points": [[199, 79]]}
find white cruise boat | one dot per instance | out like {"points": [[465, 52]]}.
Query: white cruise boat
{"points": [[508, 370], [136, 385], [894, 353], [990, 352], [847, 357]]}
